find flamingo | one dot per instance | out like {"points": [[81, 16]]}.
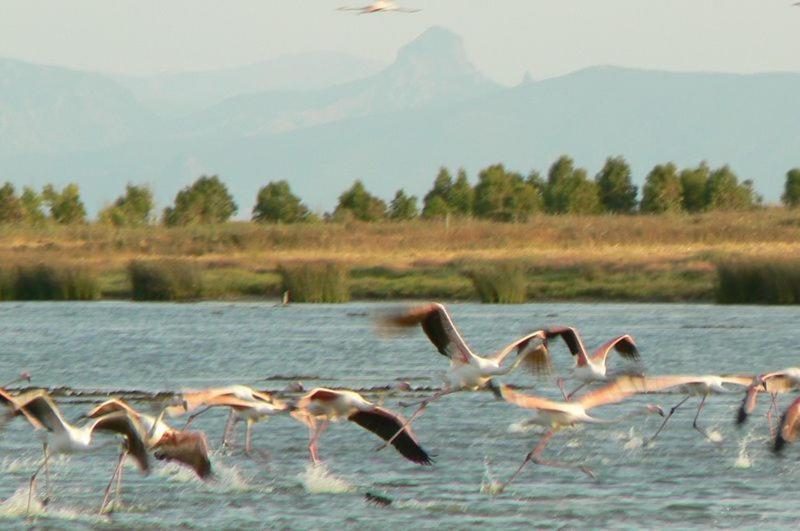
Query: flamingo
{"points": [[379, 6], [320, 406], [772, 383], [558, 415], [187, 447], [589, 369], [701, 386], [245, 403], [788, 427], [23, 376], [61, 437]]}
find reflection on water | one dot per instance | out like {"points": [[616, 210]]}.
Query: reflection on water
{"points": [[683, 480]]}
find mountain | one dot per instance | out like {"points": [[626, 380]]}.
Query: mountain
{"points": [[432, 71], [432, 107], [46, 109], [185, 92]]}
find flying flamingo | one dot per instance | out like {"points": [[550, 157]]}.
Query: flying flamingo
{"points": [[701, 386], [379, 6], [589, 369], [558, 415], [319, 407], [772, 383], [61, 437], [245, 404], [168, 444], [788, 427], [468, 371]]}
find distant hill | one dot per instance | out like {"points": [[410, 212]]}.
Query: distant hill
{"points": [[431, 107], [181, 93]]}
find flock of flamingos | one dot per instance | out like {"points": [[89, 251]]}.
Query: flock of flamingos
{"points": [[142, 434]]}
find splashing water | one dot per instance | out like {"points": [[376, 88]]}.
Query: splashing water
{"points": [[16, 506], [633, 441], [522, 426], [317, 480], [715, 436], [743, 460], [489, 483]]}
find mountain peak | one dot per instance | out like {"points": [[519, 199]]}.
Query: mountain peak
{"points": [[435, 44]]}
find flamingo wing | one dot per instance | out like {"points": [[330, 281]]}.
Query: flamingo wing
{"points": [[10, 401], [622, 344], [788, 427], [122, 423], [186, 447], [438, 326], [749, 402], [572, 338], [385, 425], [535, 355], [109, 406], [41, 408], [528, 401], [617, 391]]}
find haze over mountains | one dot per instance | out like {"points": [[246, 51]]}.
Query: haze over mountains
{"points": [[321, 121]]}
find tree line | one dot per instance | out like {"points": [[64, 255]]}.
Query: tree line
{"points": [[499, 194]]}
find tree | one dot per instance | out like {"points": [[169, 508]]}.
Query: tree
{"points": [[662, 190], [791, 190], [11, 208], [133, 209], [504, 196], [462, 196], [723, 191], [403, 207], [65, 206], [693, 186], [442, 188], [569, 190], [359, 204], [276, 203], [617, 194], [32, 206], [205, 201]]}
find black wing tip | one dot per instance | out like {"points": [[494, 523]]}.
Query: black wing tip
{"points": [[377, 499], [779, 444], [741, 416]]}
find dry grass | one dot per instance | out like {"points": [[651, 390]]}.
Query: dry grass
{"points": [[388, 259]]}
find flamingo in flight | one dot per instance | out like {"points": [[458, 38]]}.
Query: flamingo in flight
{"points": [[320, 406], [468, 371], [701, 386], [556, 415], [245, 403], [61, 437], [168, 444], [379, 6], [772, 383], [592, 368], [789, 426]]}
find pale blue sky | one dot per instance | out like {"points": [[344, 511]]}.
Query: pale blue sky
{"points": [[504, 38]]}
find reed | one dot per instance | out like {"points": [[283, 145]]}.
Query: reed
{"points": [[500, 282], [165, 280], [40, 282], [758, 281], [316, 282]]}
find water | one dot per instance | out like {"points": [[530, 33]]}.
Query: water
{"points": [[682, 481]]}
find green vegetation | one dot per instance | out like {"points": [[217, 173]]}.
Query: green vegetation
{"points": [[42, 282], [357, 203], [165, 280], [617, 193], [758, 281], [569, 190], [662, 190], [65, 206], [316, 282], [403, 207], [134, 209], [500, 282], [277, 204], [206, 201], [791, 191]]}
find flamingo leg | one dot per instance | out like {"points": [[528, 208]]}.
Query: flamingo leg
{"points": [[248, 438], [420, 410], [672, 410], [228, 429], [194, 416], [32, 483], [117, 472], [569, 396], [773, 407], [46, 475], [316, 431], [698, 427], [560, 384]]}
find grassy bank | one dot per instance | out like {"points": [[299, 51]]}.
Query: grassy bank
{"points": [[648, 258]]}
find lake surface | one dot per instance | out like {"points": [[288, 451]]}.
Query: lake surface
{"points": [[683, 480]]}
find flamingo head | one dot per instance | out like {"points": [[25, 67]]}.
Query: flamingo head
{"points": [[654, 409]]}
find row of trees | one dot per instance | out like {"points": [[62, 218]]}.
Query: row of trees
{"points": [[499, 194]]}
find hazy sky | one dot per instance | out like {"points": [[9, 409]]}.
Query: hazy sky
{"points": [[504, 38]]}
